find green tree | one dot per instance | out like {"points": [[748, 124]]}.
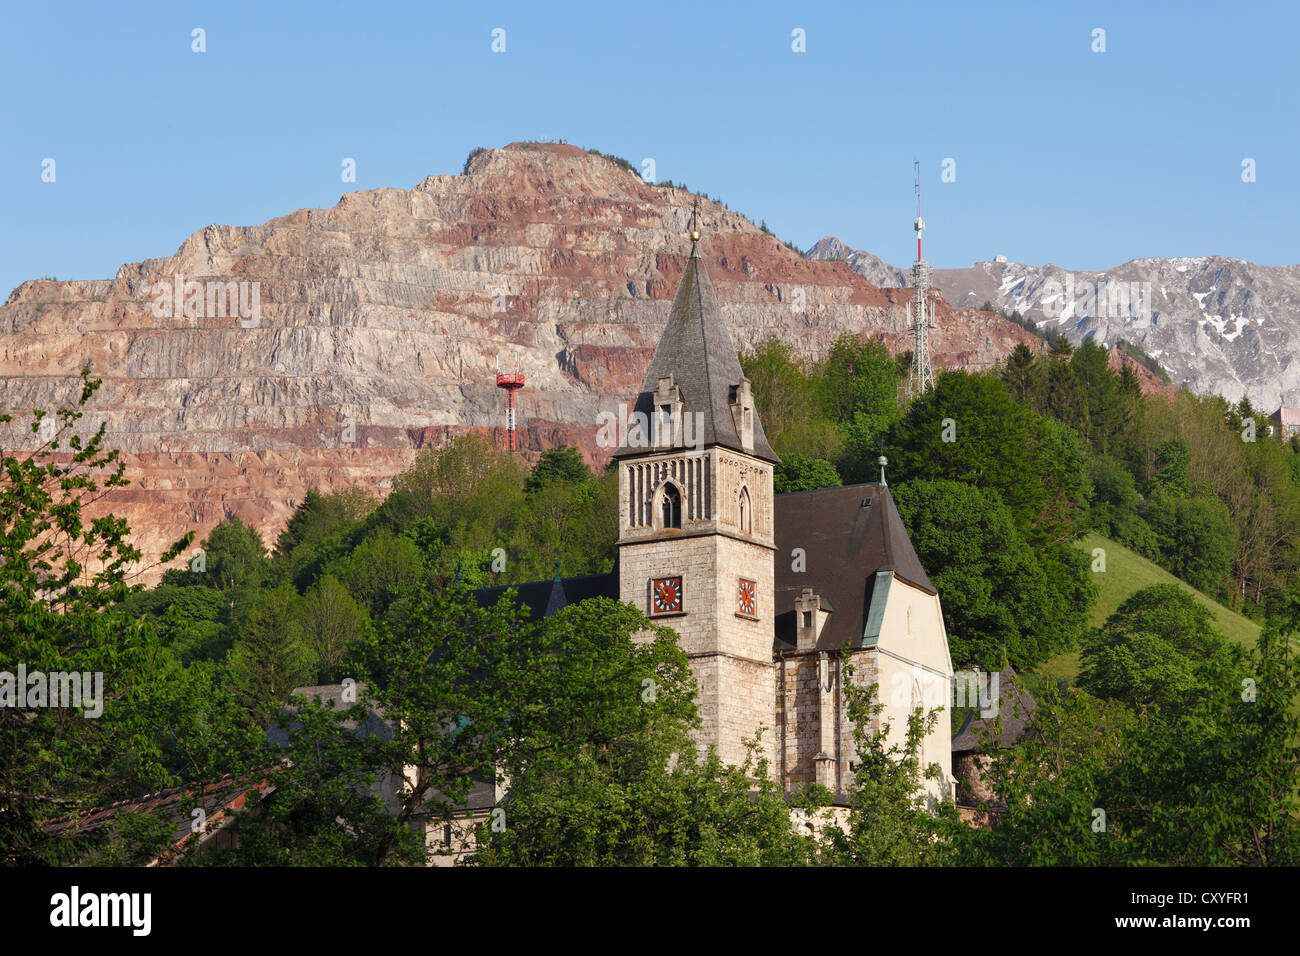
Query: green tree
{"points": [[331, 622], [789, 399], [315, 530], [1022, 375], [1051, 785], [1195, 537], [191, 619], [801, 473], [327, 802], [1002, 599], [1115, 504], [891, 821], [601, 765], [379, 569], [1063, 397], [587, 715], [270, 658], [861, 395], [1209, 778], [1107, 413], [561, 464], [1172, 458], [236, 558], [1156, 651], [969, 429], [62, 581]]}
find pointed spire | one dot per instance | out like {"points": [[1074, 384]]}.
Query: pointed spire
{"points": [[558, 600], [696, 372], [695, 232]]}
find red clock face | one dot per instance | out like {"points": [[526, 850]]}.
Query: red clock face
{"points": [[748, 597], [667, 595]]}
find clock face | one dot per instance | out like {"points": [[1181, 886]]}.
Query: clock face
{"points": [[748, 603], [666, 595]]}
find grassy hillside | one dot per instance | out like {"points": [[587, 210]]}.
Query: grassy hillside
{"points": [[1127, 572]]}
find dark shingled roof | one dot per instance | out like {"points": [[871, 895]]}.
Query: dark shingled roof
{"points": [[545, 598], [855, 547], [1015, 706], [696, 350]]}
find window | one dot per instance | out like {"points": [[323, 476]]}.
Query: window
{"points": [[672, 507], [807, 618], [746, 511]]}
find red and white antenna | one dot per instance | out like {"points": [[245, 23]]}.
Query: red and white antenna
{"points": [[511, 382], [919, 225], [920, 311]]}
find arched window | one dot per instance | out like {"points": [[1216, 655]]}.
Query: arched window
{"points": [[672, 507], [746, 511]]}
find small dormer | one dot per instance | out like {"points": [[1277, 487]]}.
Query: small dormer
{"points": [[742, 413], [810, 614], [666, 430]]}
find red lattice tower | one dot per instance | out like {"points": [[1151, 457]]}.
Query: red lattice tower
{"points": [[511, 382]]}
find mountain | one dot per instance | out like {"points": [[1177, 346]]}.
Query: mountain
{"points": [[1220, 325], [872, 268], [325, 347]]}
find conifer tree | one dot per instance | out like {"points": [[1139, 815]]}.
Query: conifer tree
{"points": [[270, 658]]}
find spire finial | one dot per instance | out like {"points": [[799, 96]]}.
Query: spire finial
{"points": [[695, 232], [882, 461]]}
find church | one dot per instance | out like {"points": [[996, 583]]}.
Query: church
{"points": [[772, 596]]}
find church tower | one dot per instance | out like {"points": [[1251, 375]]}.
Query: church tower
{"points": [[696, 516]]}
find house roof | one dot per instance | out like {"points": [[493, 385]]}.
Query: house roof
{"points": [[546, 598], [855, 548], [696, 350], [1015, 708], [332, 695], [482, 793], [176, 805]]}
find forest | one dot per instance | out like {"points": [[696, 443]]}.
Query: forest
{"points": [[1171, 746]]}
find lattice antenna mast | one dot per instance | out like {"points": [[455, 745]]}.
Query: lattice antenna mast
{"points": [[920, 311], [511, 382]]}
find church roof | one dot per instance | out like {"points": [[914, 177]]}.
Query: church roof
{"points": [[696, 350], [547, 598], [1016, 707], [854, 546]]}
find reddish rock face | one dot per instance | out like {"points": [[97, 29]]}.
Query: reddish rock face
{"points": [[379, 324]]}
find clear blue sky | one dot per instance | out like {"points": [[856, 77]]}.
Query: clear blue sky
{"points": [[1062, 155]]}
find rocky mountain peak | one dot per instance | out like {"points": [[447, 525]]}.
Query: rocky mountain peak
{"points": [[325, 347]]}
